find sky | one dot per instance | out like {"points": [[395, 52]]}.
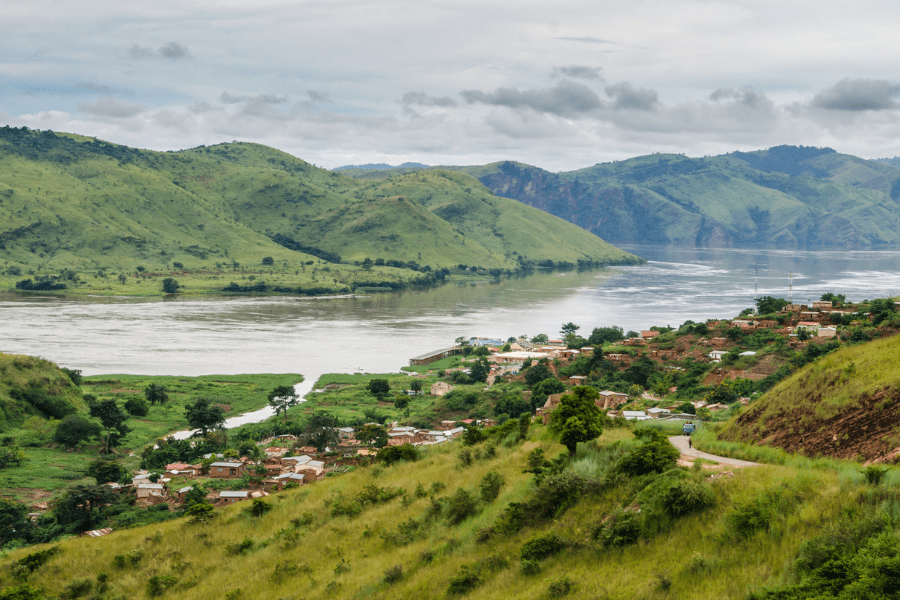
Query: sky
{"points": [[561, 85]]}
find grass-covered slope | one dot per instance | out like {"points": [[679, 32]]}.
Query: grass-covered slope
{"points": [[68, 202], [34, 387], [844, 405], [424, 530], [787, 196]]}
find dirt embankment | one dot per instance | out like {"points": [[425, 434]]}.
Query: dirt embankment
{"points": [[868, 430]]}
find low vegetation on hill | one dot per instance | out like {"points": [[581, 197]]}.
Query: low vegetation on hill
{"points": [[787, 196], [79, 214]]}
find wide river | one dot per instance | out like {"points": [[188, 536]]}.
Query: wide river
{"points": [[381, 332]]}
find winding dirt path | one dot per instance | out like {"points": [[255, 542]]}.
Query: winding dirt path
{"points": [[681, 442]]}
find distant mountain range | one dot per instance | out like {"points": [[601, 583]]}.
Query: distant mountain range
{"points": [[787, 196], [382, 166]]}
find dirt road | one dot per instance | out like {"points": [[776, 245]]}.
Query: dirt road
{"points": [[681, 442]]}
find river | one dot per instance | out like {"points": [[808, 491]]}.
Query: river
{"points": [[380, 333]]}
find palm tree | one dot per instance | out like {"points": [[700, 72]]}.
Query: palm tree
{"points": [[156, 393]]}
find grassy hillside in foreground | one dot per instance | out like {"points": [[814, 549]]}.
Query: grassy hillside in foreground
{"points": [[844, 405], [786, 196], [406, 531], [71, 205]]}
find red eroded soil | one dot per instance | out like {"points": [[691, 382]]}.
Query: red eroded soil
{"points": [[868, 430]]}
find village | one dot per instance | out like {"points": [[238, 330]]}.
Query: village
{"points": [[283, 462]]}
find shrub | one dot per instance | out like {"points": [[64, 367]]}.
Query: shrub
{"points": [[34, 561], [137, 407], [874, 475], [559, 587], [496, 562], [531, 567], [460, 506], [393, 454], [393, 574], [620, 528], [258, 508], [78, 588], [242, 547], [158, 584], [490, 486], [201, 512], [656, 456], [542, 546], [686, 497], [347, 508], [463, 581]]}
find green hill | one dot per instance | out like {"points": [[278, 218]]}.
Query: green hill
{"points": [[844, 405], [82, 205], [31, 386], [471, 522], [785, 196]]}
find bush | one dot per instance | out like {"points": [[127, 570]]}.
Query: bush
{"points": [[461, 505], [158, 584], [393, 574], [258, 508], [242, 547], [137, 407], [464, 581], [78, 588], [542, 546], [874, 475], [655, 456], [490, 486], [531, 567], [346, 508], [559, 587], [686, 497], [620, 528], [393, 454]]}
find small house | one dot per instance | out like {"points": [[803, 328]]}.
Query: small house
{"points": [[634, 415], [226, 469], [232, 497]]}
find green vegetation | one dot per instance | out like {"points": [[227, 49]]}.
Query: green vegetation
{"points": [[579, 527], [786, 196], [80, 215]]}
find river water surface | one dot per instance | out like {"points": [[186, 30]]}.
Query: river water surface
{"points": [[380, 333]]}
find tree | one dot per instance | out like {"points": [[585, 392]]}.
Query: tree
{"points": [[205, 415], [170, 286], [836, 299], [379, 387], [577, 418], [14, 521], [603, 335], [74, 430], [512, 404], [540, 338], [156, 393], [536, 374], [268, 260], [122, 278], [480, 370], [568, 331], [82, 506], [401, 401], [111, 417], [282, 398], [105, 471], [374, 435], [321, 431], [687, 408], [768, 305], [137, 407], [416, 386]]}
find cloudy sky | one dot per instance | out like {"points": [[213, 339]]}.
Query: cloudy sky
{"points": [[561, 85]]}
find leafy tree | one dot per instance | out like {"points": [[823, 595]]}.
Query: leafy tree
{"points": [[372, 434], [282, 398], [416, 386], [512, 404], [137, 407], [268, 260], [104, 471], [393, 454], [569, 329], [9, 454], [205, 415], [540, 338], [156, 393], [577, 418], [82, 507], [14, 521], [655, 455], [704, 414], [321, 431], [882, 310], [603, 335], [74, 430], [480, 370], [111, 417], [687, 408], [170, 286], [536, 374], [73, 374], [401, 401], [768, 305], [379, 387], [836, 299]]}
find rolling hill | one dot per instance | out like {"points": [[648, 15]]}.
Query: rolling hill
{"points": [[787, 196], [70, 202]]}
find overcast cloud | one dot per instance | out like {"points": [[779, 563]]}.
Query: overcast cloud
{"points": [[561, 86]]}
